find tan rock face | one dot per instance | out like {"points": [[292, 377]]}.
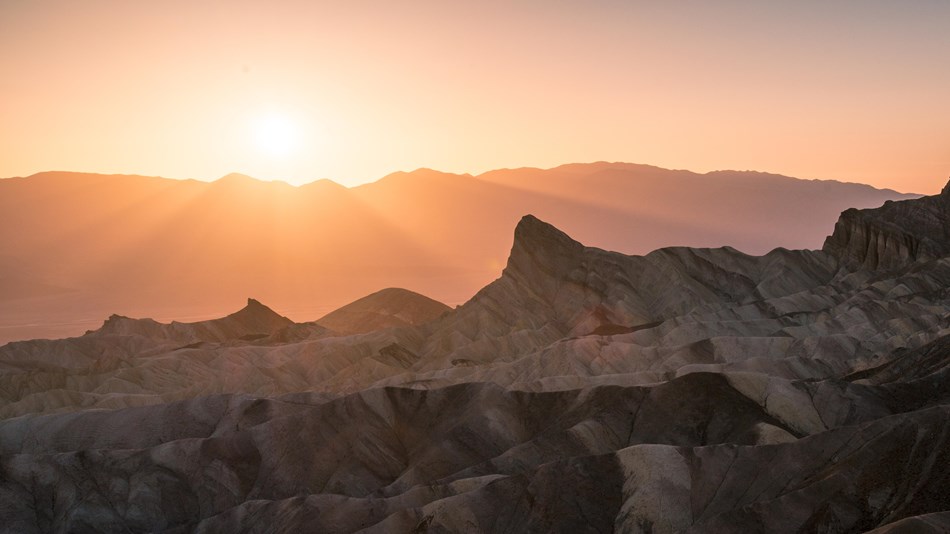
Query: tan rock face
{"points": [[700, 390], [388, 308]]}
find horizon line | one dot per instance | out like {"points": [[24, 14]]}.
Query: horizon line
{"points": [[238, 174]]}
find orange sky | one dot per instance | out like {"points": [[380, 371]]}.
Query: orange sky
{"points": [[855, 91]]}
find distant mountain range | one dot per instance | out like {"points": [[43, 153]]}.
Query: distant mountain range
{"points": [[77, 247]]}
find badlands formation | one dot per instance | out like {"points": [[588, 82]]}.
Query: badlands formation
{"points": [[79, 247], [686, 390]]}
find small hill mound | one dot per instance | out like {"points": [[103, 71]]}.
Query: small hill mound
{"points": [[391, 307]]}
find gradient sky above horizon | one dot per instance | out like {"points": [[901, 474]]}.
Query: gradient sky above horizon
{"points": [[855, 90]]}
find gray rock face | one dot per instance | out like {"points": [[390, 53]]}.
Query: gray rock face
{"points": [[687, 390], [894, 235]]}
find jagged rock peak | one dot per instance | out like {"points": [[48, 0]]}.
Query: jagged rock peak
{"points": [[116, 319], [533, 233], [121, 325], [112, 322], [539, 248], [259, 313], [893, 235]]}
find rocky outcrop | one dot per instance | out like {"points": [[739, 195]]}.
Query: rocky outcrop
{"points": [[254, 321], [894, 235]]}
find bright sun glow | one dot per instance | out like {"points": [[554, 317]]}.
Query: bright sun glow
{"points": [[276, 135]]}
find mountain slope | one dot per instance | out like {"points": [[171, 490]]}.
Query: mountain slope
{"points": [[78, 247], [685, 390], [251, 322], [387, 308]]}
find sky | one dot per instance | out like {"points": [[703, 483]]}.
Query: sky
{"points": [[851, 90]]}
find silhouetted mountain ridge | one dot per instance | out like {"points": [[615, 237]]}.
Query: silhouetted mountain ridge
{"points": [[146, 246]]}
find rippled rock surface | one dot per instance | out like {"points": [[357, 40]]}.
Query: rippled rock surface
{"points": [[687, 390]]}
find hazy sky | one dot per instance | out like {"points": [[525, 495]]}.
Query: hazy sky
{"points": [[353, 90]]}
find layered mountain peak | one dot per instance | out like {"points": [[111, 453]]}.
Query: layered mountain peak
{"points": [[257, 309], [893, 235], [252, 321], [121, 325], [538, 244], [257, 318]]}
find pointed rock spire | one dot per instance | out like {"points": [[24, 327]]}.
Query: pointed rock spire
{"points": [[540, 247], [258, 316], [534, 234]]}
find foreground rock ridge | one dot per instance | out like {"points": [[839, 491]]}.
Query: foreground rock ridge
{"points": [[686, 390]]}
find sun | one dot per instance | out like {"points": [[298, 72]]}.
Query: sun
{"points": [[276, 135]]}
